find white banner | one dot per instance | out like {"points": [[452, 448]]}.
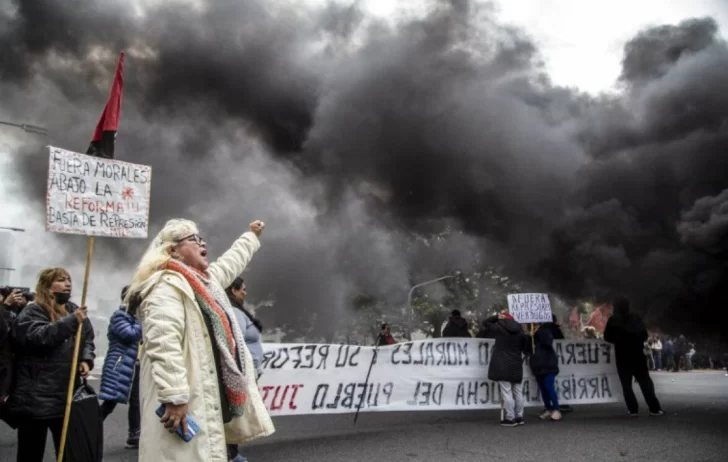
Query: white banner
{"points": [[97, 197], [527, 308], [429, 375]]}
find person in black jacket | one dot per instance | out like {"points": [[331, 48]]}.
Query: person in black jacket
{"points": [[44, 335], [545, 367], [456, 326], [506, 364], [628, 334], [8, 306]]}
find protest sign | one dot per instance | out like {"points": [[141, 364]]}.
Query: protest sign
{"points": [[97, 197], [527, 308], [429, 375]]}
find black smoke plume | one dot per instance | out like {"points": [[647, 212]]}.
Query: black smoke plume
{"points": [[349, 134]]}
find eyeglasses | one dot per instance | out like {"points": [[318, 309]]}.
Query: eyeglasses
{"points": [[196, 238]]}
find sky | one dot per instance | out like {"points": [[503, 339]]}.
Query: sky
{"points": [[582, 41], [581, 45]]}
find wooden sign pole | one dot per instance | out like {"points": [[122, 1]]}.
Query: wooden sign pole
{"points": [[76, 348]]}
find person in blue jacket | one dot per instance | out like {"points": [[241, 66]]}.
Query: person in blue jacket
{"points": [[120, 376]]}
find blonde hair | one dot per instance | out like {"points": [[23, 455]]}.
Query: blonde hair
{"points": [[158, 252], [44, 298]]}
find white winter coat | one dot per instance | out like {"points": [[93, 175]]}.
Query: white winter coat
{"points": [[178, 366]]}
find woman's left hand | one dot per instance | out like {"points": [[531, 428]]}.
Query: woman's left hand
{"points": [[84, 369]]}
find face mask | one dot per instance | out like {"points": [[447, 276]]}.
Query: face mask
{"points": [[62, 297]]}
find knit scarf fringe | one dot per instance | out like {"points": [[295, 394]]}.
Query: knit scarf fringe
{"points": [[233, 378]]}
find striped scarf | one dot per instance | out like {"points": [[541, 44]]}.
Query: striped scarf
{"points": [[233, 377]]}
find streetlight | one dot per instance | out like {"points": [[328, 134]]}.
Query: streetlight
{"points": [[10, 256], [409, 295], [28, 128]]}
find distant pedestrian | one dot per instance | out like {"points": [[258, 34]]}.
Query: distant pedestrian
{"points": [[456, 326], [628, 333], [385, 336], [648, 354], [506, 364], [668, 354], [657, 353], [681, 349], [689, 357]]}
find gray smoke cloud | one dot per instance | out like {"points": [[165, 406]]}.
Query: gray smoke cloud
{"points": [[348, 135]]}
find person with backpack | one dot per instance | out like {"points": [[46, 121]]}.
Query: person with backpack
{"points": [[120, 376]]}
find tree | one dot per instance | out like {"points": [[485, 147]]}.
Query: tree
{"points": [[432, 307]]}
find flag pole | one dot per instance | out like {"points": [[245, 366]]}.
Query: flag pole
{"points": [[76, 348], [366, 381]]}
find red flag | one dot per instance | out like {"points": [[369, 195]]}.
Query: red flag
{"points": [[102, 143]]}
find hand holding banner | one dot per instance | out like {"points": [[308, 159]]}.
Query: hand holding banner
{"points": [[428, 375], [93, 196]]}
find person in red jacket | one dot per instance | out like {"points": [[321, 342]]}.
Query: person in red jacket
{"points": [[385, 336]]}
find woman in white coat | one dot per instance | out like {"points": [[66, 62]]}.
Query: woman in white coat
{"points": [[194, 361]]}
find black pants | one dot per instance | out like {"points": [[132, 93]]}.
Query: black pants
{"points": [[134, 413], [637, 370], [32, 436]]}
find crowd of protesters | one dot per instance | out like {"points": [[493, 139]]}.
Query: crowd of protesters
{"points": [[183, 350], [674, 354], [637, 353]]}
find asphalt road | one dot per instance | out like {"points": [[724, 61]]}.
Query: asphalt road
{"points": [[694, 429]]}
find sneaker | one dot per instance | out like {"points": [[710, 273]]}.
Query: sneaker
{"points": [[658, 413], [556, 415], [133, 441], [633, 414], [520, 421], [508, 423], [239, 458], [546, 415]]}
